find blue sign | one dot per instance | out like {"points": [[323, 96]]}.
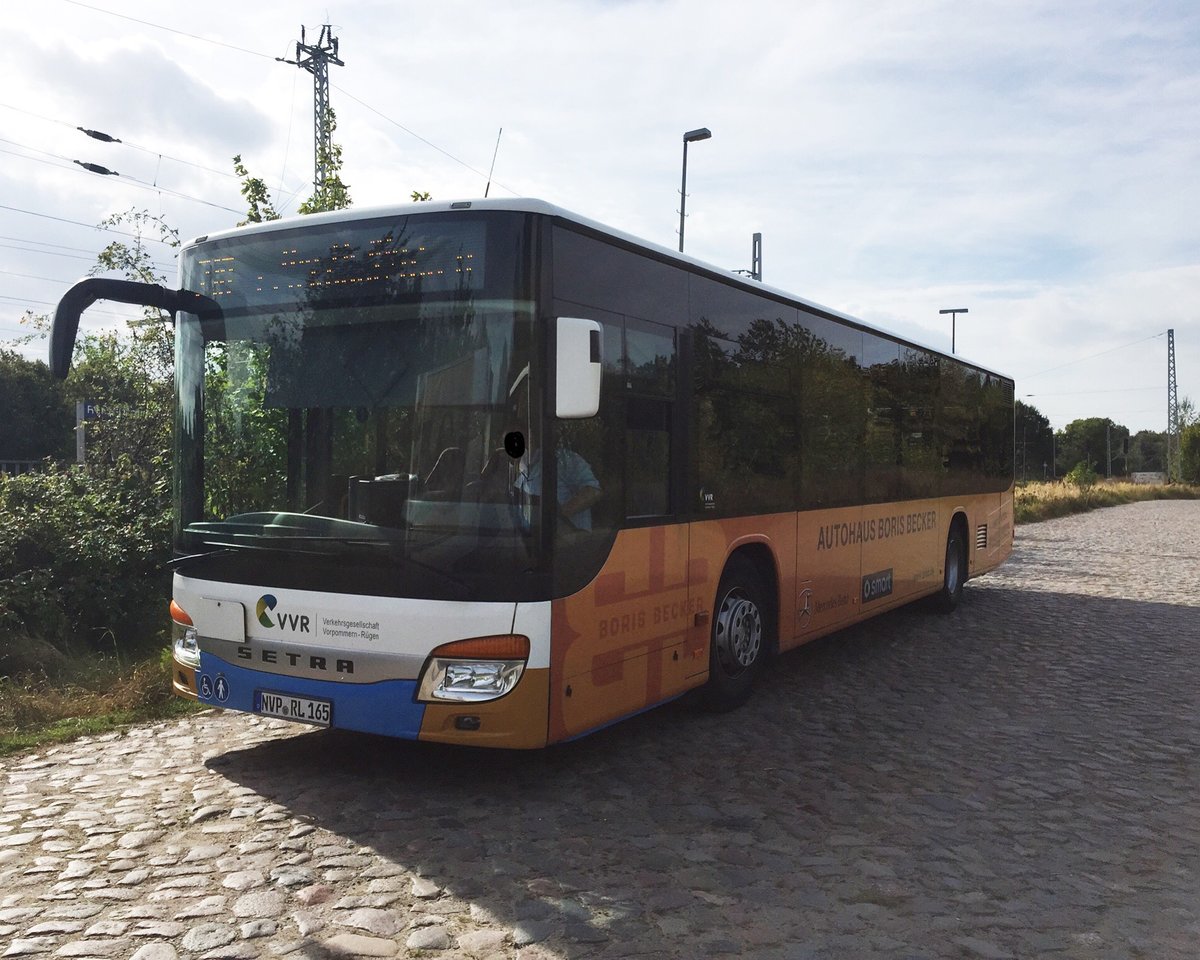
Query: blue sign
{"points": [[206, 689], [222, 689]]}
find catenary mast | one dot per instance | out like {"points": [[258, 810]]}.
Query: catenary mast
{"points": [[316, 58]]}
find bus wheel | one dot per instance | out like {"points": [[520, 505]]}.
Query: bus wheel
{"points": [[739, 637], [948, 597]]}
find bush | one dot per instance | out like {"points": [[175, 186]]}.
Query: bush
{"points": [[1082, 476], [82, 557]]}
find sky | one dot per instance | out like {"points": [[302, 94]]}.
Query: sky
{"points": [[1033, 162]]}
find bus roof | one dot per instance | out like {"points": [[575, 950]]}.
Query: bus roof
{"points": [[529, 205]]}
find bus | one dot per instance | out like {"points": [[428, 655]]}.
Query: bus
{"points": [[372, 404]]}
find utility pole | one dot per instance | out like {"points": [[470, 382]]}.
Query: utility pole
{"points": [[1172, 411], [316, 60]]}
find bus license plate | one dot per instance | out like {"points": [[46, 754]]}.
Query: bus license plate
{"points": [[287, 706]]}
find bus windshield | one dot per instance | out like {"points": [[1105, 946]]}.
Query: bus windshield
{"points": [[368, 394]]}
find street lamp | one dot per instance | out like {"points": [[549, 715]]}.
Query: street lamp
{"points": [[954, 316], [690, 137]]}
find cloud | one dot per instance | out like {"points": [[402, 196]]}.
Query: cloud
{"points": [[135, 91]]}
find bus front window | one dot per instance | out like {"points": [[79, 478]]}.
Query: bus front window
{"points": [[377, 428]]}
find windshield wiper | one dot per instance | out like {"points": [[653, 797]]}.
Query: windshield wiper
{"points": [[175, 561], [286, 543]]}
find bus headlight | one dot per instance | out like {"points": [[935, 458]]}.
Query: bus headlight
{"points": [[183, 636], [468, 671]]}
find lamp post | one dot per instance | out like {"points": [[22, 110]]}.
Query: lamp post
{"points": [[690, 137], [954, 316]]}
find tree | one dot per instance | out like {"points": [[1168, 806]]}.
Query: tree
{"points": [[331, 193], [1090, 441], [130, 376], [37, 420], [258, 198], [1147, 451], [1189, 453], [1035, 443]]}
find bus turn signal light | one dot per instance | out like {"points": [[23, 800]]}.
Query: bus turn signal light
{"points": [[179, 615], [507, 647]]}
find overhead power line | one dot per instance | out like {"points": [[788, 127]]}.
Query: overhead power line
{"points": [[109, 138], [105, 171], [1102, 353], [1079, 393], [159, 26], [80, 223], [414, 134], [256, 53]]}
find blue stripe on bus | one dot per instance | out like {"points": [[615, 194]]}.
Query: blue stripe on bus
{"points": [[387, 707]]}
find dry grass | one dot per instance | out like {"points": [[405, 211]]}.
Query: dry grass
{"points": [[101, 696], [1042, 501]]}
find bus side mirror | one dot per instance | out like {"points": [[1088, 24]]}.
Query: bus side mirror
{"points": [[577, 369]]}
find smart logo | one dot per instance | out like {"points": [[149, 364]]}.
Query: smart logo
{"points": [[265, 603]]}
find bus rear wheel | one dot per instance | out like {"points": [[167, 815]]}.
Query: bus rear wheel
{"points": [[947, 599], [740, 634]]}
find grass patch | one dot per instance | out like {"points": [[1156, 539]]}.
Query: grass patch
{"points": [[1044, 501], [100, 696]]}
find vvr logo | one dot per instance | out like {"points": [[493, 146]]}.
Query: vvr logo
{"points": [[265, 603], [296, 622]]}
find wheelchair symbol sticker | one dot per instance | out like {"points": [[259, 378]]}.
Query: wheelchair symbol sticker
{"points": [[206, 689]]}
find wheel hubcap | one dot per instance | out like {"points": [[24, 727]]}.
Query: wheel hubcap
{"points": [[738, 632]]}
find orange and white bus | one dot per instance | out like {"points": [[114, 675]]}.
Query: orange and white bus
{"points": [[371, 404]]}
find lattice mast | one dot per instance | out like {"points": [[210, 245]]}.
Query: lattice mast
{"points": [[316, 58], [1173, 472]]}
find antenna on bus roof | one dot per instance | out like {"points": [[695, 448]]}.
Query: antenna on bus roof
{"points": [[493, 166], [755, 271]]}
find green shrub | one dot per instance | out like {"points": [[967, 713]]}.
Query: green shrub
{"points": [[1082, 476], [82, 558]]}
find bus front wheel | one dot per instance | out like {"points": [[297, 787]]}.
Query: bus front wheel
{"points": [[956, 570], [740, 632]]}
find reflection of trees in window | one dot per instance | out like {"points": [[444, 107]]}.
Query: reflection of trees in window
{"points": [[780, 414], [882, 441], [977, 420], [921, 455], [245, 441]]}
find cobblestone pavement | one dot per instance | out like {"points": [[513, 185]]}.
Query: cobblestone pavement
{"points": [[1017, 780]]}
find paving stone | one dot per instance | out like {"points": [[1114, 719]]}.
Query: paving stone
{"points": [[254, 929], [308, 922], [380, 923], [26, 946], [424, 889], [531, 931], [54, 927], [429, 938], [267, 903], [208, 936], [91, 948], [243, 880], [353, 945], [155, 951], [314, 894]]}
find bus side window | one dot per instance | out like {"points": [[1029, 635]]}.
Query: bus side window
{"points": [[647, 458], [650, 368]]}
